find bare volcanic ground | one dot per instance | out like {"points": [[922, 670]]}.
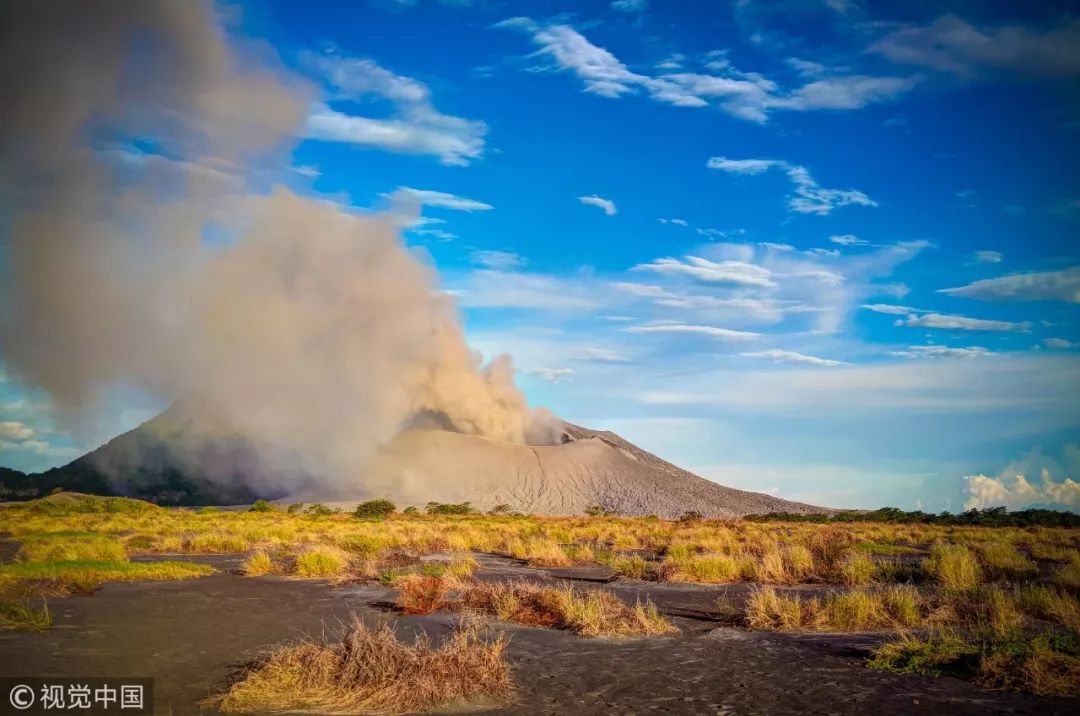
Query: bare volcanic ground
{"points": [[590, 468], [193, 635]]}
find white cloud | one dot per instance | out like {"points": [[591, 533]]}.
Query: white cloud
{"points": [[988, 257], [1060, 343], [1063, 285], [889, 308], [714, 234], [441, 199], [415, 126], [725, 272], [745, 95], [710, 331], [553, 375], [672, 62], [603, 355], [812, 198], [307, 171], [630, 5], [606, 205], [782, 356], [950, 44], [14, 431], [1015, 491], [440, 234], [960, 323], [942, 352], [743, 166], [847, 92], [677, 222], [809, 198], [497, 259], [848, 240]]}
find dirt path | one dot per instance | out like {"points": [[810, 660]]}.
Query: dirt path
{"points": [[190, 635]]}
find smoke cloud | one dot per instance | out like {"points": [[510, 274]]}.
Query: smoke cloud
{"points": [[145, 250]]}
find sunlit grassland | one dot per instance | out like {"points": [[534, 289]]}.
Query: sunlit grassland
{"points": [[933, 586]]}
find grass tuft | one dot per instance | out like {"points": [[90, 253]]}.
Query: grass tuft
{"points": [[954, 567], [593, 612], [371, 671], [23, 616]]}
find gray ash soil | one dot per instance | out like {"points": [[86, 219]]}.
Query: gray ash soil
{"points": [[193, 635]]}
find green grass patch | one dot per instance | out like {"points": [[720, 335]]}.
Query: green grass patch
{"points": [[23, 616], [83, 576]]}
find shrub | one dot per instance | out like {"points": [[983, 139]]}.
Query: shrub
{"points": [[380, 508], [953, 566], [320, 510], [690, 516], [370, 671], [438, 508], [295, 508], [261, 506], [410, 510]]}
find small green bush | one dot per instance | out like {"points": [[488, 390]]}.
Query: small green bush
{"points": [[261, 506], [379, 508], [438, 508]]}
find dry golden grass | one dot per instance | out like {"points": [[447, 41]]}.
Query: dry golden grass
{"points": [[321, 562], [370, 672], [258, 564], [858, 609], [593, 612], [954, 566]]}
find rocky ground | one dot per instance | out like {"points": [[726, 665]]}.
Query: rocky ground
{"points": [[193, 635]]}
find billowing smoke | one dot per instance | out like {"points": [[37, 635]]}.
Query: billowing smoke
{"points": [[145, 249]]}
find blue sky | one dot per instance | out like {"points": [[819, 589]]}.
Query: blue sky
{"points": [[822, 249]]}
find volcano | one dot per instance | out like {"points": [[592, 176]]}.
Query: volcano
{"points": [[163, 462]]}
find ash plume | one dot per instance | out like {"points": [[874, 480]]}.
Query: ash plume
{"points": [[145, 250]]}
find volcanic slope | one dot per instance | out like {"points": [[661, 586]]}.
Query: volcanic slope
{"points": [[590, 468]]}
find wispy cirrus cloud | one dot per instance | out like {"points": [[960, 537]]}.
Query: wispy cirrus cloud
{"points": [[414, 127], [1061, 285], [783, 356], [809, 197], [441, 199], [725, 334], [988, 257], [960, 323], [605, 205], [941, 352], [706, 271], [497, 259], [745, 95]]}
